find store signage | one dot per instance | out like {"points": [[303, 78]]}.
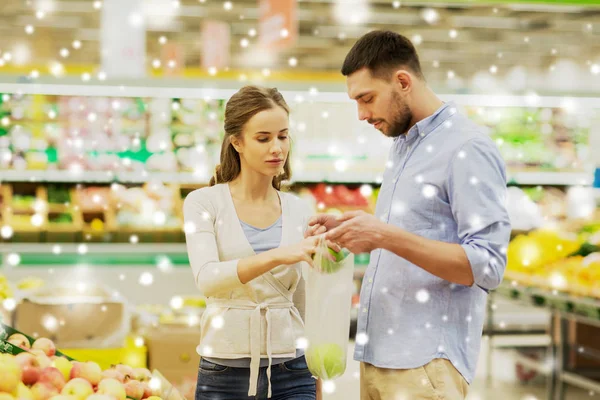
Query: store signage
{"points": [[216, 42], [123, 39], [278, 23]]}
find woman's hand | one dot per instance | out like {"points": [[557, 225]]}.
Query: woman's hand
{"points": [[298, 252]]}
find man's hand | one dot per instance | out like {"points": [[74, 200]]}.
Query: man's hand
{"points": [[358, 232], [320, 224]]}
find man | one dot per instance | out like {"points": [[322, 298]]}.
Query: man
{"points": [[438, 239]]}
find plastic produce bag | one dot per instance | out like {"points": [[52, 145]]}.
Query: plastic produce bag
{"points": [[329, 288]]}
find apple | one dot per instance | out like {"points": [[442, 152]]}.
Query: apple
{"points": [[147, 390], [79, 388], [329, 263], [64, 366], [23, 392], [43, 391], [89, 371], [42, 358], [46, 345], [112, 373], [154, 398], [52, 376], [142, 374], [100, 397], [326, 361], [134, 389], [112, 387], [10, 373], [63, 397], [6, 396], [30, 367], [20, 340], [125, 370]]}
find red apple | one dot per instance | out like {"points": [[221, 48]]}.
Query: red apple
{"points": [[46, 345], [134, 389], [43, 391], [30, 366], [142, 374], [89, 371], [10, 373], [42, 358], [112, 387], [54, 377], [112, 373], [79, 388], [19, 340], [147, 390], [125, 370]]}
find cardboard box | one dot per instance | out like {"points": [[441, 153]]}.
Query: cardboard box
{"points": [[172, 351], [73, 318]]}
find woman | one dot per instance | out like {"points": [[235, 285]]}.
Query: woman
{"points": [[246, 249]]}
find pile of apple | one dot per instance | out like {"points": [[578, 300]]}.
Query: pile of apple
{"points": [[39, 374]]}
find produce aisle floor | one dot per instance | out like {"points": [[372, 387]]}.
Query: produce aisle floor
{"points": [[504, 385]]}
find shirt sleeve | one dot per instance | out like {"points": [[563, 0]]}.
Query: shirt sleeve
{"points": [[477, 192], [212, 276]]}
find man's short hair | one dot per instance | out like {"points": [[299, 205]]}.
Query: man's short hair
{"points": [[381, 52]]}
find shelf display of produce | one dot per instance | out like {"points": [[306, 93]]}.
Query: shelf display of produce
{"points": [[63, 137]]}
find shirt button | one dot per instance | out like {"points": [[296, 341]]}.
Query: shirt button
{"points": [[365, 309]]}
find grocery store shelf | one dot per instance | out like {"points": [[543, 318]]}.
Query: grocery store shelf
{"points": [[520, 178], [93, 248], [99, 176], [551, 178]]}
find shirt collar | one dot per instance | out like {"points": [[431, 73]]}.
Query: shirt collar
{"points": [[429, 124]]}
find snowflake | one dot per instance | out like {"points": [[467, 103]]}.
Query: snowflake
{"points": [[50, 322], [13, 259], [361, 338], [469, 318], [427, 325], [328, 387], [429, 191], [462, 154], [6, 232], [146, 279], [419, 178], [429, 148], [301, 343], [422, 296], [189, 227], [217, 322], [445, 318], [176, 302], [384, 290], [82, 249], [390, 331], [474, 180], [448, 124], [398, 208], [9, 304]]}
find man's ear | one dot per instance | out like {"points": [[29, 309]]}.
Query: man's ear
{"points": [[404, 80]]}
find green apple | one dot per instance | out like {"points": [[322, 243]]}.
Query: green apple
{"points": [[326, 361], [330, 262]]}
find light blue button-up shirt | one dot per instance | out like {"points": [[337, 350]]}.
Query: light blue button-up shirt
{"points": [[445, 180]]}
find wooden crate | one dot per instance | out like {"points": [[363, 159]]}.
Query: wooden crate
{"points": [[64, 232]]}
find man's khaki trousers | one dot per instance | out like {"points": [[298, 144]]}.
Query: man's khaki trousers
{"points": [[437, 380]]}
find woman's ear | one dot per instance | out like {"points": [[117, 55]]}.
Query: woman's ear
{"points": [[235, 142]]}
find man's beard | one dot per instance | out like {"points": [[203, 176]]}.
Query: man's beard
{"points": [[402, 117]]}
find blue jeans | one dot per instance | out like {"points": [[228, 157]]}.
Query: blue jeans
{"points": [[289, 381]]}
